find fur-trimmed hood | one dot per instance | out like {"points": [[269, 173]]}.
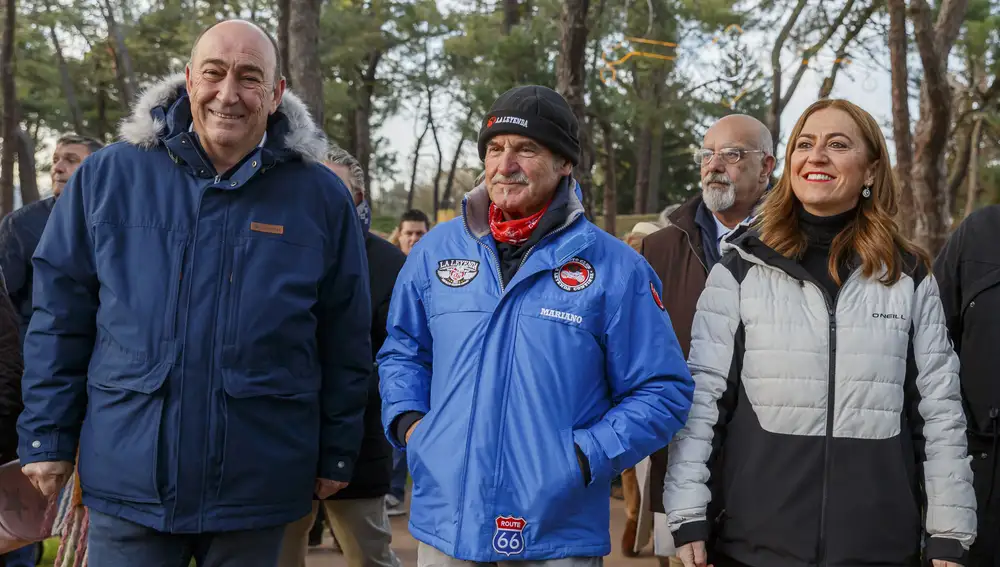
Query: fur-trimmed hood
{"points": [[145, 130]]}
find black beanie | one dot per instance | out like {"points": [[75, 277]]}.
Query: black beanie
{"points": [[536, 112]]}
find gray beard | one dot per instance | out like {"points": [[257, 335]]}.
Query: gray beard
{"points": [[718, 200]]}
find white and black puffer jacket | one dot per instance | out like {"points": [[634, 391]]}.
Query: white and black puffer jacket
{"points": [[824, 431]]}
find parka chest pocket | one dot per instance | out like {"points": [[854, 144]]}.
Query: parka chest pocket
{"points": [[556, 314], [273, 284], [141, 268]]}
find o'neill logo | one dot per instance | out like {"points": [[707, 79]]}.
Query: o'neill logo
{"points": [[506, 120], [561, 315], [888, 316], [509, 537]]}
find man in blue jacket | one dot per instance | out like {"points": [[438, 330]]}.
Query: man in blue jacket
{"points": [[201, 321], [529, 357]]}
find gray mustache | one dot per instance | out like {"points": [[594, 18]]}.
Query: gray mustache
{"points": [[518, 178], [718, 178]]}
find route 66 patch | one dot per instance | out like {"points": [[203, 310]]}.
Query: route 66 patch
{"points": [[457, 273], [509, 537]]}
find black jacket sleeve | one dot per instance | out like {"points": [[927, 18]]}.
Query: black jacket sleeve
{"points": [[11, 368], [947, 271]]}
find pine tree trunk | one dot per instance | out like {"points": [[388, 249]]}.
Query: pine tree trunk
{"points": [[9, 109], [362, 116], [303, 54], [571, 79], [933, 218], [901, 113], [27, 172], [972, 198], [610, 179], [283, 14]]}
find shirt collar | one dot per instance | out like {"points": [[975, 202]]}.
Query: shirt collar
{"points": [[722, 231]]}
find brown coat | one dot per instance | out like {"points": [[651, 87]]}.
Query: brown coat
{"points": [[677, 257]]}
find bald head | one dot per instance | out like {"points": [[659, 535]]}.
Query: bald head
{"points": [[746, 129], [246, 32], [233, 86]]}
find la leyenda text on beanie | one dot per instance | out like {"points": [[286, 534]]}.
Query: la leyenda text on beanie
{"points": [[536, 112]]}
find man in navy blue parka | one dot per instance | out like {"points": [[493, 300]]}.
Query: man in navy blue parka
{"points": [[201, 321]]}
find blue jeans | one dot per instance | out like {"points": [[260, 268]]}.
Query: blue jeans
{"points": [[24, 557], [397, 484], [113, 542]]}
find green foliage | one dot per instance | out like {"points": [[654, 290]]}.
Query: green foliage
{"points": [[470, 60]]}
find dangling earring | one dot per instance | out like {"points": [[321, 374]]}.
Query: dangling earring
{"points": [[867, 192]]}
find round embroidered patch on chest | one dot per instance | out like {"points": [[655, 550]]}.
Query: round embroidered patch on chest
{"points": [[575, 275]]}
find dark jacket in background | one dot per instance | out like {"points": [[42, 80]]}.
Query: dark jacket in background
{"points": [[11, 368], [968, 273], [678, 257], [20, 232], [372, 473]]}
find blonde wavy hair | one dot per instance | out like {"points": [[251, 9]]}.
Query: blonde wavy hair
{"points": [[873, 234]]}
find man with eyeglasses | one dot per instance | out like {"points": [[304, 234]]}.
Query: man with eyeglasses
{"points": [[736, 160]]}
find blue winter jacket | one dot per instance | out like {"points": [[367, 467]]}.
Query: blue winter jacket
{"points": [[575, 351], [205, 339]]}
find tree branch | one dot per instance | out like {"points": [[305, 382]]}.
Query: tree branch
{"points": [[774, 118], [852, 34], [812, 51]]}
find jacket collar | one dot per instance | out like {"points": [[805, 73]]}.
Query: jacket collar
{"points": [[476, 209], [747, 243], [683, 217], [564, 242], [163, 111]]}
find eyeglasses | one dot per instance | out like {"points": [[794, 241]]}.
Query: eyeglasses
{"points": [[729, 155]]}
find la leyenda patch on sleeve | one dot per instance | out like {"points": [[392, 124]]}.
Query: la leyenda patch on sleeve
{"points": [[457, 273]]}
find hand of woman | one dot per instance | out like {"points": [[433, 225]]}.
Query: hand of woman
{"points": [[944, 563], [693, 554]]}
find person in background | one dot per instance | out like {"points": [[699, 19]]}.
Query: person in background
{"points": [[200, 332], [413, 225], [736, 162], [20, 232], [631, 491], [641, 230], [21, 229], [11, 367], [358, 512], [968, 271], [529, 358], [825, 378]]}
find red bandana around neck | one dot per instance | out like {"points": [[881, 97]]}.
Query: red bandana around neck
{"points": [[516, 231]]}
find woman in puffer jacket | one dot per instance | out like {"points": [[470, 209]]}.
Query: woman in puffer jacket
{"points": [[11, 367], [827, 425]]}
